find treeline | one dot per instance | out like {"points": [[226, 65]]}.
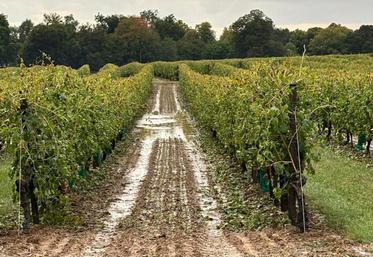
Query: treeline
{"points": [[122, 39]]}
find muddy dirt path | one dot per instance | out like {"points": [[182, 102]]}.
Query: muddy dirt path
{"points": [[172, 214]]}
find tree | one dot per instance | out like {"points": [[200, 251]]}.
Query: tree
{"points": [[205, 32], [227, 35], [281, 35], [274, 48], [299, 39], [143, 42], [291, 49], [52, 18], [190, 47], [24, 30], [109, 23], [14, 46], [313, 32], [332, 40], [115, 50], [92, 42], [252, 34], [71, 23], [167, 50], [227, 38], [55, 38], [170, 27], [361, 40], [5, 40], [121, 39], [150, 16], [218, 50]]}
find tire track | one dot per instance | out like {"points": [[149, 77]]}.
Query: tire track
{"points": [[167, 99]]}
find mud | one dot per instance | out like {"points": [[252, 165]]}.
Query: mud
{"points": [[49, 242], [287, 242]]}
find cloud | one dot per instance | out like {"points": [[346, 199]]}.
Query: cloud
{"points": [[220, 13], [305, 26]]}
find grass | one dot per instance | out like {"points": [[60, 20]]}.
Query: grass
{"points": [[342, 189], [8, 208]]}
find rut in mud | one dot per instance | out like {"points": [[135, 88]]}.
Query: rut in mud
{"points": [[168, 100]]}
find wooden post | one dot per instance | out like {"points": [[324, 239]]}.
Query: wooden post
{"points": [[367, 148], [268, 171], [295, 194], [284, 196], [25, 186]]}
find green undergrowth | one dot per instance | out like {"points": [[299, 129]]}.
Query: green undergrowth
{"points": [[8, 208], [9, 204], [342, 189], [243, 205]]}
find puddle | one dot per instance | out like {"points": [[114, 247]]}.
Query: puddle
{"points": [[178, 107], [157, 104], [208, 203], [122, 206]]}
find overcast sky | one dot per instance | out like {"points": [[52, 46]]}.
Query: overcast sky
{"points": [[220, 13]]}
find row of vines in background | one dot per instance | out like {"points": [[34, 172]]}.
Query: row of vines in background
{"points": [[338, 90], [58, 122], [343, 104]]}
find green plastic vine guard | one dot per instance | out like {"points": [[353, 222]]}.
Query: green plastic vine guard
{"points": [[82, 172], [99, 157], [263, 181], [360, 143]]}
